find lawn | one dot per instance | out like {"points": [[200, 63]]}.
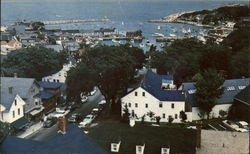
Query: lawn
{"points": [[180, 140]]}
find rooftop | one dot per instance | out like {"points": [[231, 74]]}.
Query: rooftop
{"points": [[20, 86], [232, 88], [243, 96], [50, 85], [74, 141], [152, 83]]}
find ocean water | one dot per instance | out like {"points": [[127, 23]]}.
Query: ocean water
{"points": [[125, 15]]}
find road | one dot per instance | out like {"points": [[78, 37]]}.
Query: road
{"points": [[45, 133]]}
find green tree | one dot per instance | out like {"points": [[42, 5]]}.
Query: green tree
{"points": [[110, 68], [34, 62], [208, 89]]}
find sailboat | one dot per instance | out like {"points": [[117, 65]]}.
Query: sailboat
{"points": [[122, 23]]}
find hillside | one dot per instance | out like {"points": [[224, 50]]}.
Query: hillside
{"points": [[232, 13]]}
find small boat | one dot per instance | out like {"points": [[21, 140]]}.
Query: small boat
{"points": [[140, 23], [148, 43], [158, 27], [158, 35], [172, 35], [141, 45], [113, 40], [132, 41], [122, 23], [162, 45], [189, 30]]}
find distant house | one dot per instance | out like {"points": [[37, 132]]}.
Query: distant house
{"points": [[155, 95], [50, 95], [56, 47], [59, 76], [74, 141], [232, 88], [242, 104], [11, 45], [107, 31], [25, 88]]}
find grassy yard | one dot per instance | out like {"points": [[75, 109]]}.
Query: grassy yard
{"points": [[180, 140]]}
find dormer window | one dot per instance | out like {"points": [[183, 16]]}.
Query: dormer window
{"points": [[140, 149], [242, 87], [165, 150], [231, 88]]}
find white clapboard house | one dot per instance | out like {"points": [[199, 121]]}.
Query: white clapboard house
{"points": [[155, 97]]}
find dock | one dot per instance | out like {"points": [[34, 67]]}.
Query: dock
{"points": [[74, 21], [167, 39]]}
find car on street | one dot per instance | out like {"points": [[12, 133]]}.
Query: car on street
{"points": [[60, 113], [84, 99], [49, 122], [95, 111], [74, 117], [93, 92], [87, 120]]}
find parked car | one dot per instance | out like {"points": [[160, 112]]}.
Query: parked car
{"points": [[243, 126], [93, 92], [73, 117], [87, 120], [60, 113], [49, 122], [230, 124], [95, 111], [102, 102], [84, 99]]}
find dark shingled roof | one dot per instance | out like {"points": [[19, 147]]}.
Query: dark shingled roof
{"points": [[152, 84], [50, 85], [20, 86], [74, 141], [244, 95], [232, 88]]}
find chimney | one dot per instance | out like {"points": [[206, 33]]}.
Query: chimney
{"points": [[10, 90], [62, 125], [15, 75], [198, 136]]}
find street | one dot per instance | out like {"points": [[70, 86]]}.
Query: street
{"points": [[45, 133]]}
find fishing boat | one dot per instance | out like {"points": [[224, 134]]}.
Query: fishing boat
{"points": [[158, 35], [113, 40], [148, 43], [172, 35]]}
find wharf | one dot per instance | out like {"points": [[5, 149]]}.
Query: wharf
{"points": [[136, 39], [167, 39], [74, 21]]}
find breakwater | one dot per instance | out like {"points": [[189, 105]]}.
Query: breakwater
{"points": [[74, 21]]}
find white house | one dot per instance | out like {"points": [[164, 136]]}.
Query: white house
{"points": [[232, 88], [26, 88], [155, 95], [59, 76], [13, 107]]}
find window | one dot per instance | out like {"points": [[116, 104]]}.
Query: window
{"points": [[242, 87], [136, 105], [57, 80], [163, 116], [54, 80], [36, 103], [15, 102], [146, 105], [176, 116], [129, 104], [13, 112], [143, 93], [230, 88], [18, 111], [135, 93], [172, 105], [160, 104]]}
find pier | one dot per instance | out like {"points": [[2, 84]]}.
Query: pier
{"points": [[74, 21]]}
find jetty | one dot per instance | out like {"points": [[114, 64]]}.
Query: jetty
{"points": [[167, 39], [74, 21]]}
